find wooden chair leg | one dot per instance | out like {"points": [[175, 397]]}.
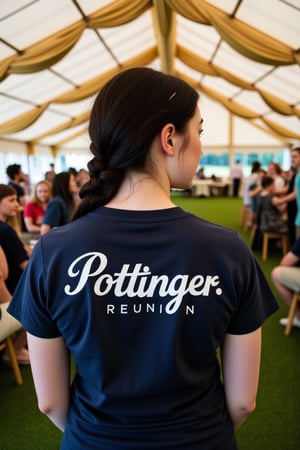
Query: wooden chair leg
{"points": [[242, 216], [265, 247], [13, 359], [246, 218], [285, 245], [291, 314], [252, 235]]}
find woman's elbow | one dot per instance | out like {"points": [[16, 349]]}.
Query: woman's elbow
{"points": [[240, 412], [45, 408], [249, 407], [32, 229]]}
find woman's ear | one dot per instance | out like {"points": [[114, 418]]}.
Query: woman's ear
{"points": [[167, 136]]}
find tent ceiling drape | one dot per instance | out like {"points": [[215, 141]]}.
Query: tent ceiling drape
{"points": [[55, 56]]}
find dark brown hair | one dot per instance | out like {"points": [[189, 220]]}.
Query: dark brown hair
{"points": [[6, 190], [130, 110], [61, 187]]}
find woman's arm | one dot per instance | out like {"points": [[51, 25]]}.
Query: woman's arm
{"points": [[281, 207], [241, 365], [254, 191], [289, 259], [3, 264], [286, 198], [44, 229], [50, 365], [5, 295], [30, 226]]}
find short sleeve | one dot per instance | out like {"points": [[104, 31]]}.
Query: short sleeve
{"points": [[296, 248], [28, 210], [12, 246], [52, 214], [256, 301]]}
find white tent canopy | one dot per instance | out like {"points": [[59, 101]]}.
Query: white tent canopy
{"points": [[242, 55]]}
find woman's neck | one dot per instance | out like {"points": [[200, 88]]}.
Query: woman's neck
{"points": [[140, 191]]}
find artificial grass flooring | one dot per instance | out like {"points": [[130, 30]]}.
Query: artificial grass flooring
{"points": [[275, 423]]}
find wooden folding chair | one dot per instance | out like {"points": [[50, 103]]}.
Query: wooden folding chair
{"points": [[244, 217], [292, 310], [268, 235], [8, 344]]}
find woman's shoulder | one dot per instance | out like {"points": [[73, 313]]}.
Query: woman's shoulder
{"points": [[29, 205], [5, 227], [57, 200], [7, 234], [56, 203]]}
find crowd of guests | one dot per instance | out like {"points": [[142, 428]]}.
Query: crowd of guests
{"points": [[272, 199], [270, 196], [50, 205]]}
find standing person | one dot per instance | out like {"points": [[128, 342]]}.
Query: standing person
{"points": [[35, 209], [60, 206], [50, 174], [252, 179], [297, 196], [275, 171], [16, 176], [124, 290], [236, 174], [291, 194]]}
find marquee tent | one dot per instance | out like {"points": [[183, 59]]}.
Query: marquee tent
{"points": [[242, 55]]}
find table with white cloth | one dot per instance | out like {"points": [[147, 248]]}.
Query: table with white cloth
{"points": [[211, 188]]}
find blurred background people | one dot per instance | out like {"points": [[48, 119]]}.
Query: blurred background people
{"points": [[60, 207], [236, 175], [16, 178], [249, 181], [275, 171], [35, 209], [9, 326], [269, 216], [200, 174], [290, 195], [16, 255], [50, 174], [286, 279]]}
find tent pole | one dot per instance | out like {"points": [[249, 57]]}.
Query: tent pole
{"points": [[230, 143]]}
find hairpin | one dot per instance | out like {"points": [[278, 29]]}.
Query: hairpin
{"points": [[171, 96]]}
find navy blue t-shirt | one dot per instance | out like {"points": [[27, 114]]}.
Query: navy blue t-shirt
{"points": [[143, 300], [15, 254], [57, 212], [19, 190]]}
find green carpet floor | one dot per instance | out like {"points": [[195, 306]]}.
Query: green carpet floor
{"points": [[275, 423]]}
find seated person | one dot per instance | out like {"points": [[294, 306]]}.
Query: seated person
{"points": [[275, 171], [34, 210], [286, 279], [61, 205], [16, 253], [269, 216], [200, 174], [8, 324]]}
